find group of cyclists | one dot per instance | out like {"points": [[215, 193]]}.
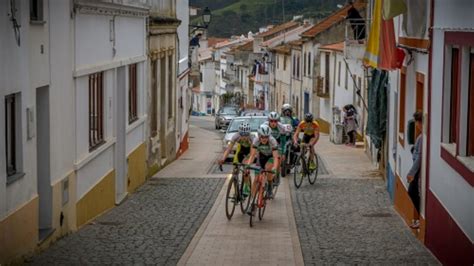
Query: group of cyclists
{"points": [[269, 147]]}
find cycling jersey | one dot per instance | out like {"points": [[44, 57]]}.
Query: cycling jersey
{"points": [[265, 151], [280, 133], [309, 129], [279, 130], [243, 146], [288, 120], [243, 141]]}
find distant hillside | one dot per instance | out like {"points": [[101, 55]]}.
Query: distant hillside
{"points": [[235, 17]]}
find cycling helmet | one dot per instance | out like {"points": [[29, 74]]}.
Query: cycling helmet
{"points": [[286, 107], [273, 116], [244, 129], [308, 117], [264, 131]]}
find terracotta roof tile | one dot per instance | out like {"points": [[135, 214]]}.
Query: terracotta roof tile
{"points": [[282, 49], [213, 41], [335, 46], [285, 26], [328, 22]]}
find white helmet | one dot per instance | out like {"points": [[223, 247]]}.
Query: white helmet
{"points": [[244, 129], [273, 116], [286, 107], [264, 131]]}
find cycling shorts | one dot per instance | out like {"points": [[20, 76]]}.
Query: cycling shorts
{"points": [[308, 138]]}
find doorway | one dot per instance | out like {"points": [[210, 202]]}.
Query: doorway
{"points": [[43, 163]]}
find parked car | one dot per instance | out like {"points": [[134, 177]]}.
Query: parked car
{"points": [[224, 116], [254, 112], [254, 121]]}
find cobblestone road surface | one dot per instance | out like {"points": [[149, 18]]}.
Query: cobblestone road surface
{"points": [[154, 226], [351, 221]]}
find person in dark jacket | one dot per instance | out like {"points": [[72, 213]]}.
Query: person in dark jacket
{"points": [[195, 40], [350, 123], [414, 174]]}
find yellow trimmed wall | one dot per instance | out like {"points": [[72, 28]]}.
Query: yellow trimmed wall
{"points": [[137, 169], [324, 126], [99, 199], [405, 208], [19, 232]]}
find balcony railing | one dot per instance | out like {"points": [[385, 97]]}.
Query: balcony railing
{"points": [[356, 36]]}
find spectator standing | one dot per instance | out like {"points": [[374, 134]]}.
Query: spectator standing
{"points": [[350, 123], [413, 176]]}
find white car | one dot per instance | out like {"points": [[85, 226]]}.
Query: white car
{"points": [[254, 121]]}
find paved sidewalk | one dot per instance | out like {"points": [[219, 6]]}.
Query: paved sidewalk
{"points": [[345, 162], [272, 241], [347, 216], [204, 147]]}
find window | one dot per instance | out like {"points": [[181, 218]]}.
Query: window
{"points": [[339, 74], [470, 135], [154, 98], [354, 89], [284, 62], [298, 67], [401, 105], [457, 147], [294, 65], [304, 65], [96, 110], [132, 94], [36, 10], [454, 94], [12, 136], [420, 86], [326, 76], [309, 64], [278, 62], [346, 79], [170, 87], [359, 95]]}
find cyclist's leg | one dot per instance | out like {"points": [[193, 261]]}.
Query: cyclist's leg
{"points": [[262, 161], [269, 167], [312, 142]]}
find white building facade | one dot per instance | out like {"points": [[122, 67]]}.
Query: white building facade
{"points": [[77, 114]]}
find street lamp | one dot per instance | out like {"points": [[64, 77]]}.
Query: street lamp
{"points": [[206, 16], [206, 20]]}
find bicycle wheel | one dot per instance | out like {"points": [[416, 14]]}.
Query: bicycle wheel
{"points": [[261, 209], [231, 198], [276, 184], [244, 202], [283, 167], [313, 175], [299, 171], [253, 205]]}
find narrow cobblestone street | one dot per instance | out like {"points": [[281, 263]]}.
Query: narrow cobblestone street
{"points": [[175, 218], [154, 226]]}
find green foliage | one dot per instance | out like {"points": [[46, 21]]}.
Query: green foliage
{"points": [[235, 17]]}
